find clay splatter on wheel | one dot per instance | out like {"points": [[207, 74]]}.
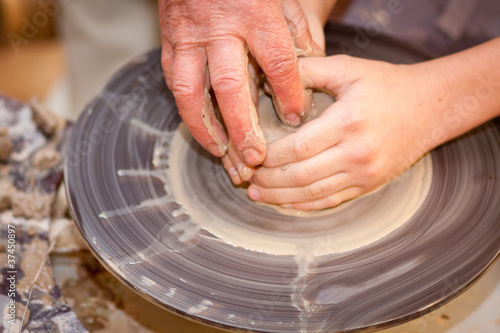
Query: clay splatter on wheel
{"points": [[163, 216]]}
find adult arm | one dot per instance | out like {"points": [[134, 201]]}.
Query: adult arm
{"points": [[205, 45], [309, 17]]}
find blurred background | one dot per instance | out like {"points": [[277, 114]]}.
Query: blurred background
{"points": [[35, 67], [63, 51]]}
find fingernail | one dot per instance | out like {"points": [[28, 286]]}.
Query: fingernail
{"points": [[234, 176], [293, 119], [244, 172], [253, 194], [286, 206], [222, 149], [239, 167], [251, 156]]}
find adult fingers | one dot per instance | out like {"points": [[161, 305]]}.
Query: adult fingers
{"points": [[328, 202], [229, 77], [244, 171], [188, 81], [167, 62], [272, 47], [254, 71], [315, 191], [299, 28]]}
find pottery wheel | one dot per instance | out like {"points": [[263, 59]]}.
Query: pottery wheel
{"points": [[162, 215]]}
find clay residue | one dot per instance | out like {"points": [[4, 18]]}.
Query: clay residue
{"points": [[6, 146], [254, 77], [46, 121], [271, 125], [46, 158], [32, 205], [66, 237], [309, 52], [36, 273], [306, 82], [256, 133], [210, 121], [6, 192], [308, 105], [299, 285], [60, 207], [200, 307]]}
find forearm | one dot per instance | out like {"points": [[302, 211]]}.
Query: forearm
{"points": [[321, 8], [317, 13], [461, 90]]}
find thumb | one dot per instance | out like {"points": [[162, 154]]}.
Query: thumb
{"points": [[329, 73], [300, 32]]}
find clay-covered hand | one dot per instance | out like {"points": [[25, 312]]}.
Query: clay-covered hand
{"points": [[380, 124], [205, 45]]}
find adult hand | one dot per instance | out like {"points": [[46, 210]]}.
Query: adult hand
{"points": [[382, 122], [205, 44]]}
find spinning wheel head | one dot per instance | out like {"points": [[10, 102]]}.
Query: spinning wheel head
{"points": [[162, 215]]}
